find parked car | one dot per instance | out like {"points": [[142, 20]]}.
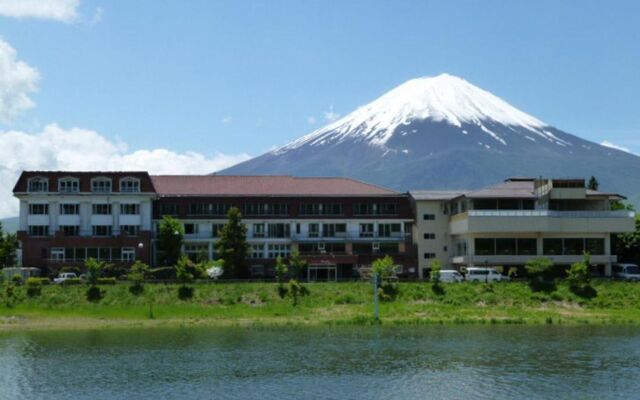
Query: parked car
{"points": [[64, 276], [451, 276], [628, 272], [477, 274]]}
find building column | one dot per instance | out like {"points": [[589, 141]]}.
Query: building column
{"points": [[85, 218], [24, 211], [210, 251], [115, 214], [539, 245], [607, 269], [54, 209]]}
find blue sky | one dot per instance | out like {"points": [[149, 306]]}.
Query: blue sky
{"points": [[239, 77]]}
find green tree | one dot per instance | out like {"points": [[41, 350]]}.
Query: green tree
{"points": [[232, 245], [296, 290], [8, 248], [388, 285], [436, 284], [593, 183], [94, 271], [281, 276], [540, 274], [579, 278], [138, 273], [296, 264], [627, 245], [186, 272], [170, 239]]}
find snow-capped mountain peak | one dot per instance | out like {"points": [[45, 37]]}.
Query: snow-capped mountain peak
{"points": [[441, 98]]}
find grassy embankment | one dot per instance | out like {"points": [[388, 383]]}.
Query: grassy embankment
{"points": [[328, 303]]}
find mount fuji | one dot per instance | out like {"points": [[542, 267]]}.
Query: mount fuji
{"points": [[445, 133]]}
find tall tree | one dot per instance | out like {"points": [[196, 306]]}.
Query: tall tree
{"points": [[232, 246], [593, 183], [8, 248], [170, 239]]}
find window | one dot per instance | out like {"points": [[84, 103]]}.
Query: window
{"points": [[310, 209], [68, 185], [57, 253], [552, 247], [69, 209], [191, 229], [429, 217], [101, 185], [197, 251], [130, 209], [258, 230], [70, 230], [574, 247], [130, 230], [38, 230], [128, 254], [429, 236], [38, 184], [38, 209], [278, 230], [389, 230], [101, 209], [215, 230], [485, 247], [595, 246], [505, 247], [104, 253], [314, 230], [527, 247], [334, 230], [366, 230], [169, 209], [257, 250], [279, 250], [387, 209], [363, 209], [428, 256], [101, 230], [130, 185]]}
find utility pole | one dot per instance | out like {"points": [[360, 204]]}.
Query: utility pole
{"points": [[376, 301]]}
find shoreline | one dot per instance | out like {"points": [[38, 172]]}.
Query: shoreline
{"points": [[329, 304]]}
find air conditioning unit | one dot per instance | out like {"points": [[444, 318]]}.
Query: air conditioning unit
{"points": [[375, 246], [321, 246]]}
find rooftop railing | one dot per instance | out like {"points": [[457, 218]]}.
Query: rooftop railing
{"points": [[552, 214]]}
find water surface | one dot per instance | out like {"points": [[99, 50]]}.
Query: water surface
{"points": [[461, 362]]}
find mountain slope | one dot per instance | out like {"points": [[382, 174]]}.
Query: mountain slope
{"points": [[444, 132]]}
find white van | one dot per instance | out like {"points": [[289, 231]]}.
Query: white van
{"points": [[629, 272], [476, 274], [447, 275]]}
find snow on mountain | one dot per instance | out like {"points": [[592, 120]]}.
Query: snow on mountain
{"points": [[442, 98]]}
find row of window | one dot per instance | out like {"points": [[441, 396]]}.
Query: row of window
{"points": [[551, 247], [72, 185], [307, 209], [74, 230], [81, 254], [74, 209]]}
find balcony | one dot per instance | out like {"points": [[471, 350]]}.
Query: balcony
{"points": [[351, 237], [501, 260], [542, 221]]}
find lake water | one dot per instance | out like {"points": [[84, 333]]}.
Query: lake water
{"points": [[458, 362]]}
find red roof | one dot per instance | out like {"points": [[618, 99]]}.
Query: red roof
{"points": [[268, 185]]}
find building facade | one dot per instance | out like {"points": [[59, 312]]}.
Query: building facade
{"points": [[508, 224], [338, 225], [68, 217]]}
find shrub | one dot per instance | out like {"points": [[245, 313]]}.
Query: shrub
{"points": [[540, 274], [185, 292], [138, 273], [106, 281], [579, 278], [70, 269], [346, 298], [9, 294], [436, 284], [385, 269], [16, 279], [72, 281], [296, 290], [281, 274], [34, 287], [94, 294], [163, 273]]}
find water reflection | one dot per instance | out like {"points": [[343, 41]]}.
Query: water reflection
{"points": [[328, 363]]}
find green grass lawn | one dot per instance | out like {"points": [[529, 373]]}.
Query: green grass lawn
{"points": [[327, 303]]}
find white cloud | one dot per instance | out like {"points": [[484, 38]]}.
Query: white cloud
{"points": [[57, 10], [607, 143], [17, 81], [330, 115], [79, 149], [311, 120]]}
